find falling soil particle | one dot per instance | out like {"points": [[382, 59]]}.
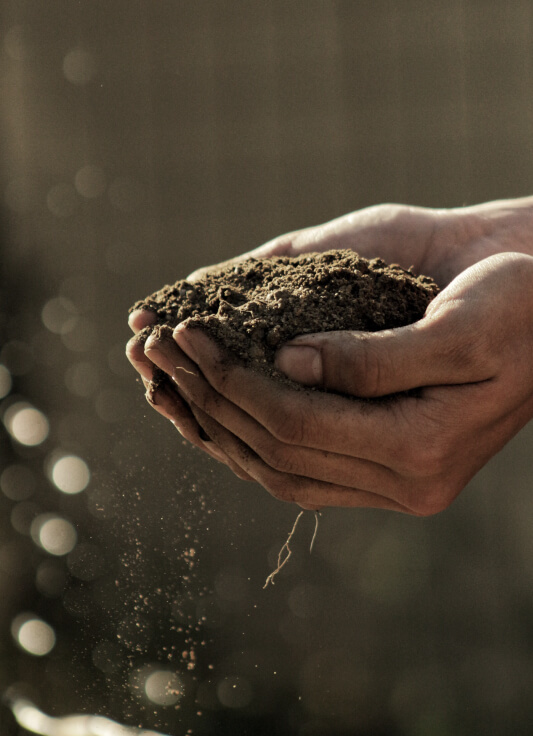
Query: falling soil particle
{"points": [[254, 306]]}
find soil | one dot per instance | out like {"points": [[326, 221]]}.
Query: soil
{"points": [[255, 306]]}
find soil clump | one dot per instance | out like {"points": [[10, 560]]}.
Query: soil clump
{"points": [[253, 307]]}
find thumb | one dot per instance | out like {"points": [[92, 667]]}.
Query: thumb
{"points": [[369, 364]]}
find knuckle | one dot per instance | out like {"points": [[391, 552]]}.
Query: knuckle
{"points": [[207, 401], [435, 499], [218, 380], [368, 367], [284, 242], [295, 241], [218, 375], [279, 457], [469, 355], [279, 487], [463, 346]]}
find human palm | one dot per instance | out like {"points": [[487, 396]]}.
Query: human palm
{"points": [[414, 454]]}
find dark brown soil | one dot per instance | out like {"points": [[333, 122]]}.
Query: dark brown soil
{"points": [[255, 306]]}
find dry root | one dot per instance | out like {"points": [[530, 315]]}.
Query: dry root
{"points": [[282, 560]]}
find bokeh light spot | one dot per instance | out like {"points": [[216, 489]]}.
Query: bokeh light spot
{"points": [[82, 338], [80, 289], [54, 534], [234, 692], [90, 181], [5, 381], [59, 315], [33, 634], [25, 424], [163, 687], [22, 516], [100, 503], [81, 379], [71, 474], [51, 578], [305, 600], [62, 200], [79, 66], [18, 482]]}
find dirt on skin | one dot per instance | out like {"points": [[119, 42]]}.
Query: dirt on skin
{"points": [[253, 307]]}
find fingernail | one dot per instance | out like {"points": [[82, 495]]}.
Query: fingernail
{"points": [[301, 363], [182, 338]]}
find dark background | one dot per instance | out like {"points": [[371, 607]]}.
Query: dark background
{"points": [[141, 139]]}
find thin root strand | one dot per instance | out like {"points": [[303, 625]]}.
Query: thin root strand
{"points": [[282, 561], [317, 514]]}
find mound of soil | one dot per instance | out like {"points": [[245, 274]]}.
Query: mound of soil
{"points": [[255, 306]]}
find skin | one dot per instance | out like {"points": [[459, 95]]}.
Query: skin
{"points": [[469, 357]]}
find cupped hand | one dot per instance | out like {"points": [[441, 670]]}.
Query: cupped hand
{"points": [[469, 357], [437, 242]]}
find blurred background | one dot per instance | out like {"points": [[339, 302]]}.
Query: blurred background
{"points": [[141, 139]]}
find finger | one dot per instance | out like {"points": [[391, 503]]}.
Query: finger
{"points": [[375, 431], [329, 467], [366, 365], [164, 398], [164, 353], [443, 348], [166, 402], [137, 357], [306, 492], [141, 318], [395, 233], [216, 451]]}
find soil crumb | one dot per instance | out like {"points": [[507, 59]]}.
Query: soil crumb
{"points": [[254, 306]]}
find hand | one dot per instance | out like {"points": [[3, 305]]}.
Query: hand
{"points": [[414, 454], [437, 242]]}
